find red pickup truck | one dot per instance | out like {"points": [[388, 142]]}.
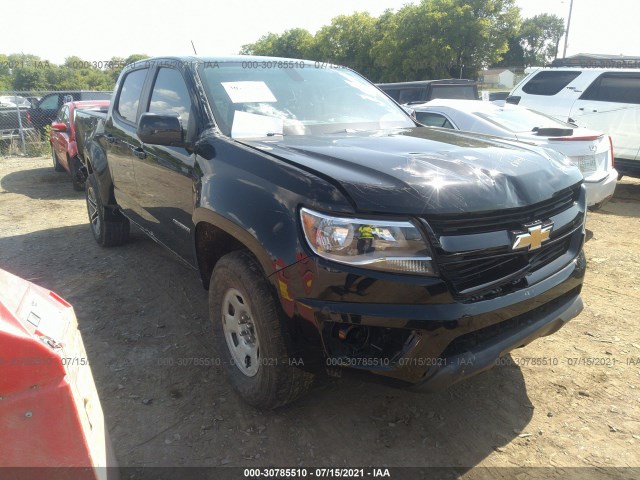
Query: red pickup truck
{"points": [[64, 143]]}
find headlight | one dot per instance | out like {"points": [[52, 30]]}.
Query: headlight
{"points": [[375, 244]]}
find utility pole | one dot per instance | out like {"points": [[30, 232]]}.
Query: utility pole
{"points": [[566, 35]]}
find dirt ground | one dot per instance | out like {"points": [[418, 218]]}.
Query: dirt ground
{"points": [[141, 313]]}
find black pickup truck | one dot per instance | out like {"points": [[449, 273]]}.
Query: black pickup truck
{"points": [[329, 228]]}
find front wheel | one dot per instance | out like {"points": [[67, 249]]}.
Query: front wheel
{"points": [[248, 334], [109, 228]]}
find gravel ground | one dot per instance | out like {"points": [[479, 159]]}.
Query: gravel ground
{"points": [[143, 317]]}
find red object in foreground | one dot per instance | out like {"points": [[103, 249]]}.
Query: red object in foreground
{"points": [[50, 413]]}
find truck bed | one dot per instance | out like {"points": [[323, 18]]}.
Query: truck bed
{"points": [[87, 121]]}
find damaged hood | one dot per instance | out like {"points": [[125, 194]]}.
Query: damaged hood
{"points": [[420, 170]]}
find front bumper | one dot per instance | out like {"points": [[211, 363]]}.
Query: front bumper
{"points": [[430, 339], [600, 192], [483, 357]]}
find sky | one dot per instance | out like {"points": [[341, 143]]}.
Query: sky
{"points": [[97, 31]]}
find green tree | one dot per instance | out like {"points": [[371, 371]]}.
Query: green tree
{"points": [[384, 51], [539, 37], [263, 46], [294, 43], [348, 41], [5, 73], [135, 57], [442, 38], [29, 78], [515, 55]]}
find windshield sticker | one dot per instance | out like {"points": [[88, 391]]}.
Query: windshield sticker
{"points": [[250, 125], [245, 92]]}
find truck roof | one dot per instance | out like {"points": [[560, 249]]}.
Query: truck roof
{"points": [[224, 59]]}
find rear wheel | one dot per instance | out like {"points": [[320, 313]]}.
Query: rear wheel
{"points": [[56, 164], [109, 228], [248, 334]]}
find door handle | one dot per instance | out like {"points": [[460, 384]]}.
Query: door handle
{"points": [[139, 152], [581, 109]]}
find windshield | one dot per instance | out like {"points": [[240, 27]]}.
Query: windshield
{"points": [[250, 101], [518, 119]]}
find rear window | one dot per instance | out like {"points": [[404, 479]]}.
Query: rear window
{"points": [[410, 95], [431, 119], [615, 87], [392, 92], [460, 92], [521, 119], [549, 83]]}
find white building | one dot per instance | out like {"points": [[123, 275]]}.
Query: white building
{"points": [[497, 78]]}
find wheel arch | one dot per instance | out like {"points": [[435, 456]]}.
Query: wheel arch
{"points": [[96, 163], [215, 236]]}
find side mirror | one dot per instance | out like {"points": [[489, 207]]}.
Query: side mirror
{"points": [[157, 129], [58, 127]]}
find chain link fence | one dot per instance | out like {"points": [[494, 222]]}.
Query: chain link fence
{"points": [[26, 116]]}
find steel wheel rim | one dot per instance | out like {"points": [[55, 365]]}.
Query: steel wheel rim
{"points": [[240, 333], [92, 206]]}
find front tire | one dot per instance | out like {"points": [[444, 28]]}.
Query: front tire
{"points": [[248, 334], [56, 164], [109, 228]]}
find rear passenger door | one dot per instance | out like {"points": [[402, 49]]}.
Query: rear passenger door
{"points": [[612, 105], [165, 175], [122, 144]]}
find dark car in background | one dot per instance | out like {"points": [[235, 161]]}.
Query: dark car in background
{"points": [[14, 114], [45, 110], [422, 91], [65, 143]]}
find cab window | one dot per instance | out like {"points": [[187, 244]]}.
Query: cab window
{"points": [[129, 98], [170, 95]]}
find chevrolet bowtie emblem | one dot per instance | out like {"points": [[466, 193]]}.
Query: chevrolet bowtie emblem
{"points": [[533, 238]]}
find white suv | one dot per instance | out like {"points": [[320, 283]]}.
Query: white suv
{"points": [[601, 99]]}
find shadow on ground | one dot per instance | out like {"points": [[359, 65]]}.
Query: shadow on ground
{"points": [[143, 316], [40, 183], [625, 200]]}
